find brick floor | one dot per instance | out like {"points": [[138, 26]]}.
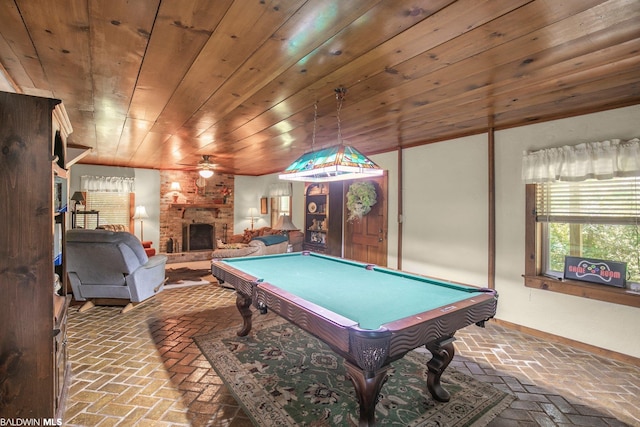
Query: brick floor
{"points": [[142, 368]]}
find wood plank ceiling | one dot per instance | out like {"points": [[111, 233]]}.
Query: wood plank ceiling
{"points": [[159, 83]]}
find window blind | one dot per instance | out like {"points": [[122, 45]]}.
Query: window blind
{"points": [[113, 207], [613, 201]]}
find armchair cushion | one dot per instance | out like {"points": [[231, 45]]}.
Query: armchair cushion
{"points": [[108, 264]]}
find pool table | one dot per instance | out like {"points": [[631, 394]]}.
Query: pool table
{"points": [[369, 315]]}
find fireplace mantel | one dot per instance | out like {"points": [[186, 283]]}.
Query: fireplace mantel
{"points": [[212, 206]]}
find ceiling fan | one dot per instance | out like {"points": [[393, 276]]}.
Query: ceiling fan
{"points": [[204, 167], [205, 170]]}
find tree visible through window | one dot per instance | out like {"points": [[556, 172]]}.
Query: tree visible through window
{"points": [[601, 241], [592, 219]]}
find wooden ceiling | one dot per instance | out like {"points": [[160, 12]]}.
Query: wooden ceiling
{"points": [[159, 83]]}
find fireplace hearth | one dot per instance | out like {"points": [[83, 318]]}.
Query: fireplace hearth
{"points": [[198, 237]]}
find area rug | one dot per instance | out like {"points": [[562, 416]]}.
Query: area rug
{"points": [[283, 376], [183, 276]]}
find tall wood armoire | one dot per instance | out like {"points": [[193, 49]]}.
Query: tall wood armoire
{"points": [[33, 204]]}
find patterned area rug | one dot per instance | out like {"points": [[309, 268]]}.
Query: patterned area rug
{"points": [[283, 376], [183, 276]]}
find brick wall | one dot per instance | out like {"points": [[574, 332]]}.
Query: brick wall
{"points": [[173, 218]]}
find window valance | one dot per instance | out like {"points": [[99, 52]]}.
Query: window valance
{"points": [[108, 184], [592, 160], [280, 189]]}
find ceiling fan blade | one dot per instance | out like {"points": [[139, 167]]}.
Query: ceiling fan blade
{"points": [[203, 164]]}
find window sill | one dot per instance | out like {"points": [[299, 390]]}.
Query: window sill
{"points": [[585, 290]]}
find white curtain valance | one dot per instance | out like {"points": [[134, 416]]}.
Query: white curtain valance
{"points": [[280, 189], [107, 184], [592, 160]]}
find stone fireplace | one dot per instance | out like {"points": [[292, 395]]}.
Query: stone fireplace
{"points": [[190, 226]]}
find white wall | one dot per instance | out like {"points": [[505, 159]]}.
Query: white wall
{"points": [[445, 204], [148, 195], [249, 190]]}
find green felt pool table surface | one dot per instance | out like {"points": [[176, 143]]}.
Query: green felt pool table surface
{"points": [[370, 297]]}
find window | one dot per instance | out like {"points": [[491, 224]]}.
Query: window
{"points": [[280, 194], [583, 200], [593, 219], [280, 205], [113, 208], [111, 196]]}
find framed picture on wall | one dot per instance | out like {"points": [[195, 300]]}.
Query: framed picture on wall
{"points": [[264, 208]]}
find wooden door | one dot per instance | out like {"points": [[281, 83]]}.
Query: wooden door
{"points": [[366, 239]]}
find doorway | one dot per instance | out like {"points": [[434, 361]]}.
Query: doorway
{"points": [[365, 240]]}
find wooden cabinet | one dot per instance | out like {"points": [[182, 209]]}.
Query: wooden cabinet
{"points": [[34, 200], [323, 218]]}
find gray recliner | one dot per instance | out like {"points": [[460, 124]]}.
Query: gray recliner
{"points": [[110, 265]]}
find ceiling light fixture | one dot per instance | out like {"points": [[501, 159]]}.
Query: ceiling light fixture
{"points": [[205, 173], [205, 167], [337, 163]]}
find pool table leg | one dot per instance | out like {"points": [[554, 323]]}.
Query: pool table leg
{"points": [[243, 303], [367, 390], [442, 351]]}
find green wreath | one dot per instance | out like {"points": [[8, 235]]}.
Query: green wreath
{"points": [[360, 198]]}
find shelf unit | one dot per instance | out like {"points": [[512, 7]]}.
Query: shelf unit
{"points": [[34, 190], [323, 218], [61, 296]]}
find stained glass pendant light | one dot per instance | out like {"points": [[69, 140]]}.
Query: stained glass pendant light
{"points": [[337, 163]]}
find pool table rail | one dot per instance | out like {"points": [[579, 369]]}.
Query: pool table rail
{"points": [[414, 331], [324, 324], [241, 281]]}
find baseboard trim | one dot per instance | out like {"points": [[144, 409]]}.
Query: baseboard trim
{"points": [[609, 354]]}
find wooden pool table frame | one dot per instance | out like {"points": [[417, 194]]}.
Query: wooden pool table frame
{"points": [[367, 353]]}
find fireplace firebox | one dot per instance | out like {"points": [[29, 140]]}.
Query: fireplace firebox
{"points": [[198, 237]]}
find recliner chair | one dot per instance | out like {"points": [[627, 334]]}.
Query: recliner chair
{"points": [[110, 265]]}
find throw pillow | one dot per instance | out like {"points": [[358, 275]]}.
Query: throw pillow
{"points": [[250, 234]]}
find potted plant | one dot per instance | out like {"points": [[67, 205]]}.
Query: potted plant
{"points": [[360, 198]]}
